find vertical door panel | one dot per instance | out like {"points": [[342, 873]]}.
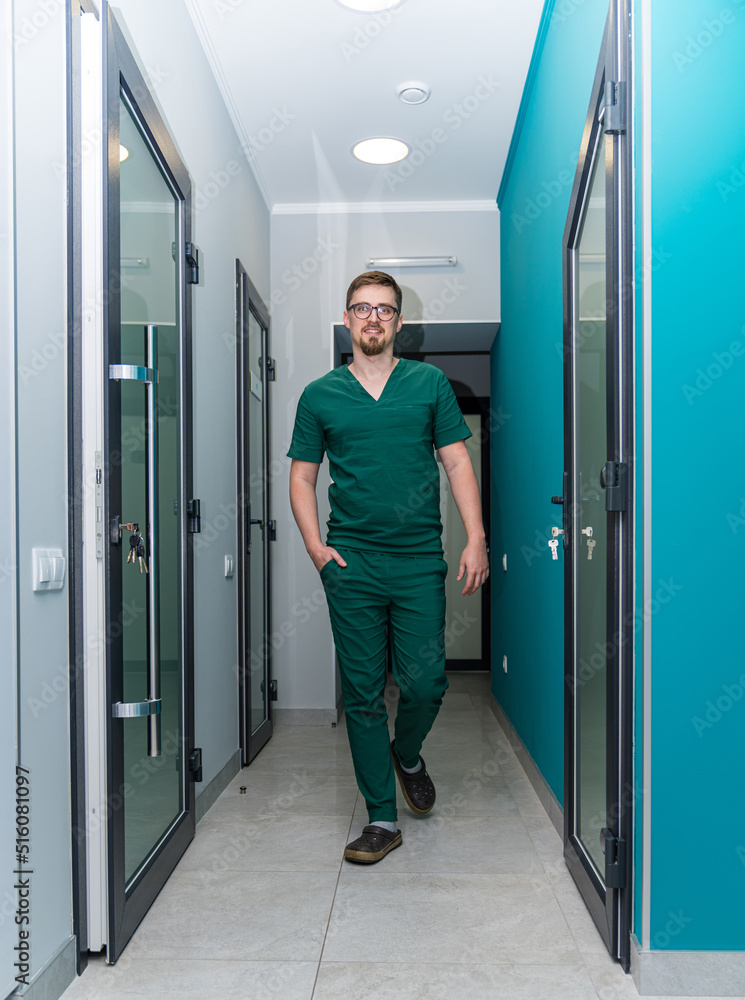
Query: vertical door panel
{"points": [[255, 530], [590, 536], [150, 793], [597, 516]]}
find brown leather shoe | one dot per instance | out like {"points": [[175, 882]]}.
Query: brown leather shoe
{"points": [[418, 788], [373, 845]]}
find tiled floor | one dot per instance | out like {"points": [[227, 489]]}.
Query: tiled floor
{"points": [[477, 902]]}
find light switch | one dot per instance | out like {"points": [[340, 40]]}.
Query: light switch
{"points": [[49, 569]]}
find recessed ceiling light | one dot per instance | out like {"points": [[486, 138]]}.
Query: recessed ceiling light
{"points": [[380, 150], [123, 153], [370, 6], [413, 92]]}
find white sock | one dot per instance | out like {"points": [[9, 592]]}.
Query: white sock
{"points": [[385, 824], [410, 770]]}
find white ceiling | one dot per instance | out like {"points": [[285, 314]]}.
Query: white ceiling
{"points": [[304, 80]]}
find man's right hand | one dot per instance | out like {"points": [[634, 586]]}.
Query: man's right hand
{"points": [[324, 554]]}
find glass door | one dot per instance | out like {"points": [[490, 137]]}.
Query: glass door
{"points": [[255, 369], [150, 792], [597, 505], [467, 624]]}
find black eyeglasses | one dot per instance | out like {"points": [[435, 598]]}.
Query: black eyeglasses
{"points": [[363, 309]]}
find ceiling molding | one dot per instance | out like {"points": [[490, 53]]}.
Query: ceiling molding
{"points": [[379, 207], [227, 96]]}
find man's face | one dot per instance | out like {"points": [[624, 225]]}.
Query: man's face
{"points": [[373, 335]]}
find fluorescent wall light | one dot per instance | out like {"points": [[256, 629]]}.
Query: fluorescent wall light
{"points": [[375, 262]]}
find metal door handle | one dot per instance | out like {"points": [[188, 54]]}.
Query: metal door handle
{"points": [[136, 709], [153, 662]]}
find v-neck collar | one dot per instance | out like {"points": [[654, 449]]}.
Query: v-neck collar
{"points": [[387, 381]]}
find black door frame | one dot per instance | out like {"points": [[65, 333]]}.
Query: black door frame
{"points": [[469, 404], [128, 905], [607, 134], [247, 300]]}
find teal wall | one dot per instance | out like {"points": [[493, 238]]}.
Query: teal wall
{"points": [[698, 473], [527, 450]]}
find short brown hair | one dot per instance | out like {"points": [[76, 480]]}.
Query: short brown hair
{"points": [[375, 278]]}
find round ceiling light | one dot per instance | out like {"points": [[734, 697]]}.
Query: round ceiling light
{"points": [[370, 6], [123, 153], [413, 92], [380, 150]]}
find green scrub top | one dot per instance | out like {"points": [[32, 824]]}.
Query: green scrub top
{"points": [[385, 494]]}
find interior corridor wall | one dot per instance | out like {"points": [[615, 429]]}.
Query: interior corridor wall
{"points": [[230, 219], [314, 257], [34, 260], [36, 248], [527, 453], [692, 269]]}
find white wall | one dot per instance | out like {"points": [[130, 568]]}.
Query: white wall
{"points": [[313, 260], [230, 220], [8, 930], [41, 512]]}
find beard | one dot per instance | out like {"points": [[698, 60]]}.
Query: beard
{"points": [[372, 346]]}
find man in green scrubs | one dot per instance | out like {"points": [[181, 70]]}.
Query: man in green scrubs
{"points": [[380, 421]]}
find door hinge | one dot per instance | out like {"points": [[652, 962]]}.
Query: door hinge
{"points": [[195, 764], [271, 370], [272, 525], [194, 516], [192, 264], [272, 690], [614, 850], [613, 112], [614, 478], [191, 258]]}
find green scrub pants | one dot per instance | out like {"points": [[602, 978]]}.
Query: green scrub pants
{"points": [[407, 594]]}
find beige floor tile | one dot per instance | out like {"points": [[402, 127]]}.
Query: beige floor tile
{"points": [[505, 919], [493, 845], [336, 759], [304, 737], [408, 981], [146, 979], [289, 843], [271, 916], [272, 795]]}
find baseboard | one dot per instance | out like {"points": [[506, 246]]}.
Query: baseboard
{"points": [[51, 981], [687, 973], [207, 797], [305, 716], [547, 798]]}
